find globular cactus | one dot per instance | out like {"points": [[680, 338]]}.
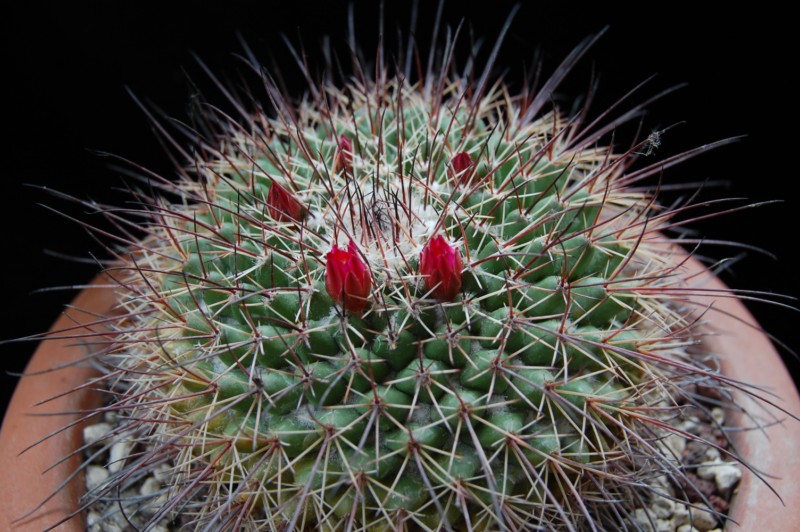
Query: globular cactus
{"points": [[403, 306]]}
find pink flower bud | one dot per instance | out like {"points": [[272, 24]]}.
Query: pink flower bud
{"points": [[344, 155], [347, 278], [461, 167], [440, 264], [281, 205]]}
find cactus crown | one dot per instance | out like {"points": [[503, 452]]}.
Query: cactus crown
{"points": [[402, 305]]}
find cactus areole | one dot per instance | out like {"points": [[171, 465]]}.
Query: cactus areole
{"points": [[398, 305]]}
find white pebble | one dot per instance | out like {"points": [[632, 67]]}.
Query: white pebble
{"points": [[664, 525], [680, 515], [119, 452], [703, 520], [676, 443], [93, 522], [718, 414], [94, 433], [662, 507], [706, 472], [162, 472], [641, 517], [153, 506], [149, 487], [108, 526], [95, 476], [686, 528], [712, 455], [651, 524], [727, 476], [708, 469]]}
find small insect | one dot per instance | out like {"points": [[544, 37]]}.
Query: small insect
{"points": [[652, 143]]}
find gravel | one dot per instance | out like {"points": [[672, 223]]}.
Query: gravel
{"points": [[708, 480], [141, 499]]}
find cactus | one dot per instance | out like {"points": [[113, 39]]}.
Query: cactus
{"points": [[403, 306]]}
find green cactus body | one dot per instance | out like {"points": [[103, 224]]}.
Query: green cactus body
{"points": [[485, 403]]}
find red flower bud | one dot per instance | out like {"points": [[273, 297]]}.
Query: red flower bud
{"points": [[344, 155], [347, 278], [461, 167], [440, 264], [281, 205]]}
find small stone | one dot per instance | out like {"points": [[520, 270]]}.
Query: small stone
{"points": [[695, 488], [719, 505], [689, 426], [92, 434], [643, 519], [680, 515], [162, 472], [676, 443], [93, 522], [707, 470], [154, 505], [108, 526], [712, 455], [119, 452], [695, 452], [719, 415], [95, 476], [664, 525], [711, 391], [659, 483], [727, 476], [703, 520], [686, 528], [662, 508], [149, 487], [662, 489], [651, 524], [704, 417]]}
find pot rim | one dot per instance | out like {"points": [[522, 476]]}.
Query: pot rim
{"points": [[771, 451], [57, 364]]}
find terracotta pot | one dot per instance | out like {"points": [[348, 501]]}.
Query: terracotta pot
{"points": [[26, 484], [749, 358]]}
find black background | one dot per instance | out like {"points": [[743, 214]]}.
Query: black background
{"points": [[65, 70]]}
